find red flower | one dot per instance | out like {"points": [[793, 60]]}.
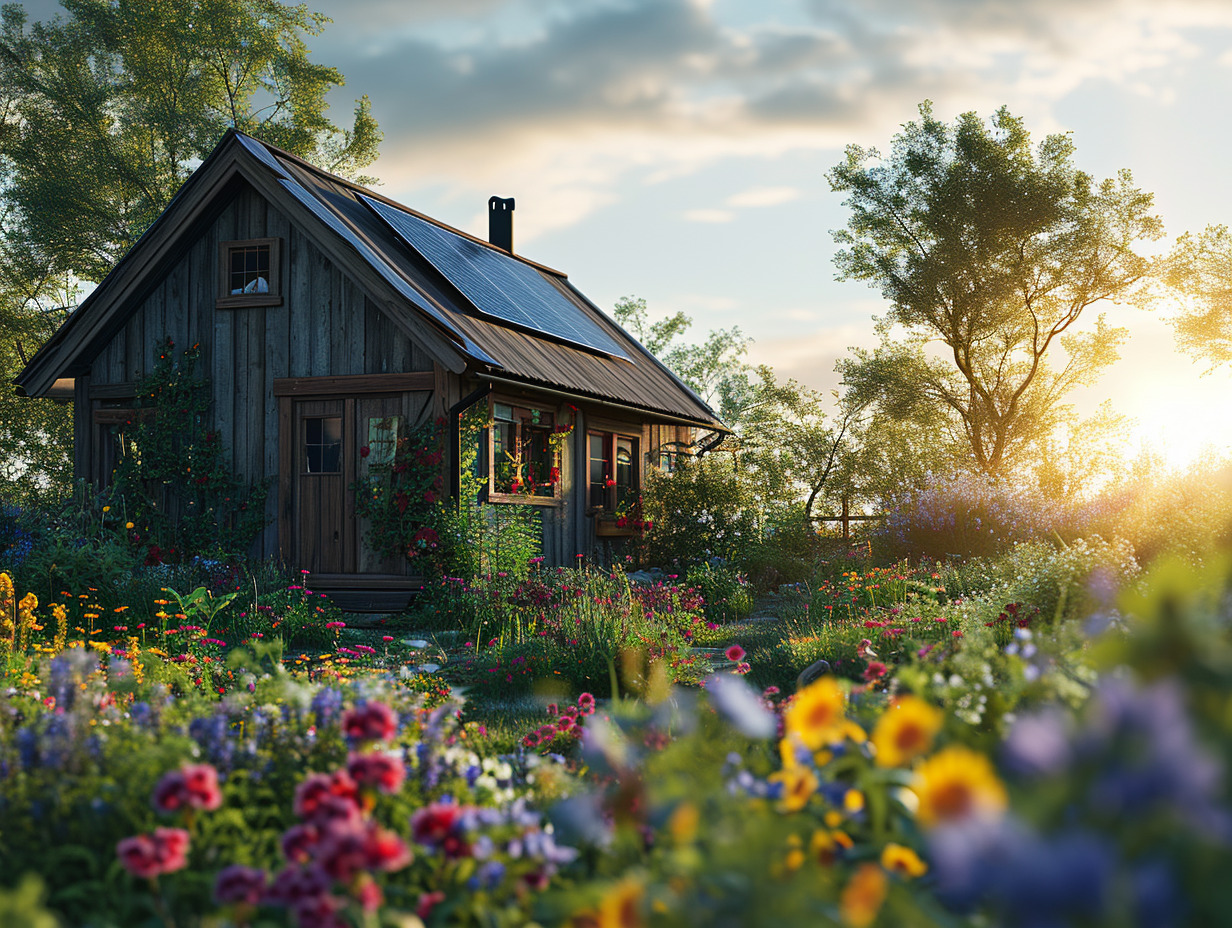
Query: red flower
{"points": [[299, 841], [378, 771], [609, 482], [401, 501], [435, 826], [429, 497], [365, 451], [385, 850], [373, 721]]}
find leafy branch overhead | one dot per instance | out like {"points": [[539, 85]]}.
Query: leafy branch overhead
{"points": [[110, 108], [989, 250]]}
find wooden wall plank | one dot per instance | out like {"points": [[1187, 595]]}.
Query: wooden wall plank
{"points": [[299, 307]]}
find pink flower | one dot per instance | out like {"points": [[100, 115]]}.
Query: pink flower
{"points": [[194, 786], [299, 841], [586, 702], [172, 845], [565, 724], [428, 902], [311, 793], [377, 771], [874, 671], [735, 654], [236, 884], [373, 721], [956, 634], [139, 856], [369, 896]]}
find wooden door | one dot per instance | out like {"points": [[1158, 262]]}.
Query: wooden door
{"points": [[321, 478]]}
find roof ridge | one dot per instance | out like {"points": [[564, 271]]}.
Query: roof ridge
{"points": [[389, 201]]}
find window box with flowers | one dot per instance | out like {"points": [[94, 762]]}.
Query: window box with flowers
{"points": [[524, 451]]}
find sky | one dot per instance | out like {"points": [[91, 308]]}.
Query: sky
{"points": [[676, 150]]}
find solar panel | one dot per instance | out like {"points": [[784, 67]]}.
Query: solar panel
{"points": [[498, 285], [379, 264]]}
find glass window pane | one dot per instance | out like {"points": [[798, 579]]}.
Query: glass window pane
{"points": [[331, 430], [312, 431], [313, 454], [331, 459]]}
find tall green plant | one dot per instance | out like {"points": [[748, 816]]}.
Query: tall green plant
{"points": [[173, 482]]}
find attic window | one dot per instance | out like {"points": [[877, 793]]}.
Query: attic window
{"points": [[249, 273]]}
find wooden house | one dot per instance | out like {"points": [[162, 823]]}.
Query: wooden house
{"points": [[326, 313]]}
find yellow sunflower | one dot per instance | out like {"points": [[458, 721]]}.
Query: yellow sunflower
{"points": [[799, 783], [955, 785], [816, 716], [905, 731], [902, 860]]}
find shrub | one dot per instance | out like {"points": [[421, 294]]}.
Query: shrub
{"points": [[700, 511], [725, 592]]}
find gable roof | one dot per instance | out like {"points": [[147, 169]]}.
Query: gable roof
{"points": [[343, 218]]}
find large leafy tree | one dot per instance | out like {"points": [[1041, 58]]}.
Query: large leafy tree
{"points": [[989, 251], [104, 113], [1200, 271]]}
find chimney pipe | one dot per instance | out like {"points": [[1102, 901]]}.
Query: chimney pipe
{"points": [[500, 222]]}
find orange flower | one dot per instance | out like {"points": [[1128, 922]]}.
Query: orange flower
{"points": [[862, 897]]}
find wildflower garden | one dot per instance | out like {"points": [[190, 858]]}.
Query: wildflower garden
{"points": [[1032, 733]]}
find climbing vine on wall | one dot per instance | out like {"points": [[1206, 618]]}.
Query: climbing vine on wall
{"points": [[400, 494]]}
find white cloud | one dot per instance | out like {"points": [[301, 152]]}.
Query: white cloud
{"points": [[709, 215], [764, 196]]}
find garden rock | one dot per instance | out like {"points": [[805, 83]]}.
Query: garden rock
{"points": [[813, 671]]}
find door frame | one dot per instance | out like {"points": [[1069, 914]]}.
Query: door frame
{"points": [[290, 390]]}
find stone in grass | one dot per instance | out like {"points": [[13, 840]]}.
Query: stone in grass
{"points": [[812, 672]]}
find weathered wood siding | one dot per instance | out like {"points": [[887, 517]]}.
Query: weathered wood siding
{"points": [[325, 326]]}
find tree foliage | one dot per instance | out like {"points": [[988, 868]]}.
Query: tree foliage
{"points": [[1200, 270], [115, 105], [989, 250], [715, 369]]}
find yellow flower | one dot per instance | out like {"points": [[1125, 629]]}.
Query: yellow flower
{"points": [[682, 825], [853, 801], [905, 731], [825, 846], [106, 509], [128, 525], [955, 785], [903, 861], [799, 783], [862, 897], [621, 907], [816, 716]]}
